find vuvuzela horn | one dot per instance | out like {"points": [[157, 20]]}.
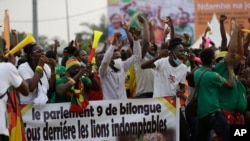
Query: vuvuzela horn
{"points": [[27, 40], [245, 30], [97, 36]]}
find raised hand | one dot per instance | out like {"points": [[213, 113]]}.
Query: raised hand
{"points": [[163, 53], [13, 31], [124, 25], [116, 38], [141, 19], [223, 18], [43, 60], [52, 62]]}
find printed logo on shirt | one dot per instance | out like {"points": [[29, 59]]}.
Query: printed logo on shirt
{"points": [[171, 78]]}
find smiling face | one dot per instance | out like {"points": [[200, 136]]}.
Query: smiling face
{"points": [[179, 52], [116, 21]]}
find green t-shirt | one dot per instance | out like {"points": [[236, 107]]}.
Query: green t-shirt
{"points": [[65, 98], [208, 91], [227, 97]]}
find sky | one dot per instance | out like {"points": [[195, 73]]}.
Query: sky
{"points": [[52, 16]]}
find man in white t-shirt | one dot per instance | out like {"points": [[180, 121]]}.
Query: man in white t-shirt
{"points": [[9, 77], [170, 72]]}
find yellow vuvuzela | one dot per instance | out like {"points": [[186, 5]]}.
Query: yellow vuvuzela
{"points": [[27, 40]]}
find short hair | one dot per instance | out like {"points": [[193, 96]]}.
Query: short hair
{"points": [[69, 50], [29, 47], [51, 54], [207, 56], [173, 43]]}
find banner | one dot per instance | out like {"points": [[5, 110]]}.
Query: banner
{"points": [[180, 11], [109, 120], [232, 9], [16, 129]]}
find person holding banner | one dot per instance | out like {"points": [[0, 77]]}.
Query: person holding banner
{"points": [[9, 77], [112, 70]]}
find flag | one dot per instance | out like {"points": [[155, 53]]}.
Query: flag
{"points": [[16, 128]]}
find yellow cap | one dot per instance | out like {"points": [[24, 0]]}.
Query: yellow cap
{"points": [[221, 54]]}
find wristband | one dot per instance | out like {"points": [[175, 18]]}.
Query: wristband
{"points": [[39, 68], [38, 71], [71, 81]]}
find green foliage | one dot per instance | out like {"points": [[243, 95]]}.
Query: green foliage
{"points": [[86, 36]]}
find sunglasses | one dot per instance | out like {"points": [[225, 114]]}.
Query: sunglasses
{"points": [[38, 51]]}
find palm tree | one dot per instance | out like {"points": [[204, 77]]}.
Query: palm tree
{"points": [[85, 36]]}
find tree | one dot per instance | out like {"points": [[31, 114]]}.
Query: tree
{"points": [[86, 36]]}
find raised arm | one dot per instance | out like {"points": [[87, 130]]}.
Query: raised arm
{"points": [[14, 32], [223, 33], [126, 28], [230, 81], [235, 46], [137, 53], [246, 42], [108, 54], [145, 35], [150, 63]]}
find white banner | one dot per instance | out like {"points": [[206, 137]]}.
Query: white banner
{"points": [[108, 120]]}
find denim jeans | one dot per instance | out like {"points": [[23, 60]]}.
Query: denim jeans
{"points": [[4, 138], [192, 122], [215, 121]]}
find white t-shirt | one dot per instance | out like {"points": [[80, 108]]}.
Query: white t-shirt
{"points": [[144, 78], [27, 73], [167, 77], [9, 76]]}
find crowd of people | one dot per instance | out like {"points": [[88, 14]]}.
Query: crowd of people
{"points": [[216, 77]]}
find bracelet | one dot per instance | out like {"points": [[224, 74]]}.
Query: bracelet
{"points": [[38, 71], [71, 81], [39, 68]]}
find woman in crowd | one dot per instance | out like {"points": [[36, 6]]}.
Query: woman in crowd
{"points": [[38, 74]]}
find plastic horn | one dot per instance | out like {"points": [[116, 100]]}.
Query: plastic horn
{"points": [[197, 59], [245, 30], [27, 40], [208, 40], [6, 32], [97, 36]]}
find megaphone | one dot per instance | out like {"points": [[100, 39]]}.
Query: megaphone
{"points": [[27, 40], [97, 36]]}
